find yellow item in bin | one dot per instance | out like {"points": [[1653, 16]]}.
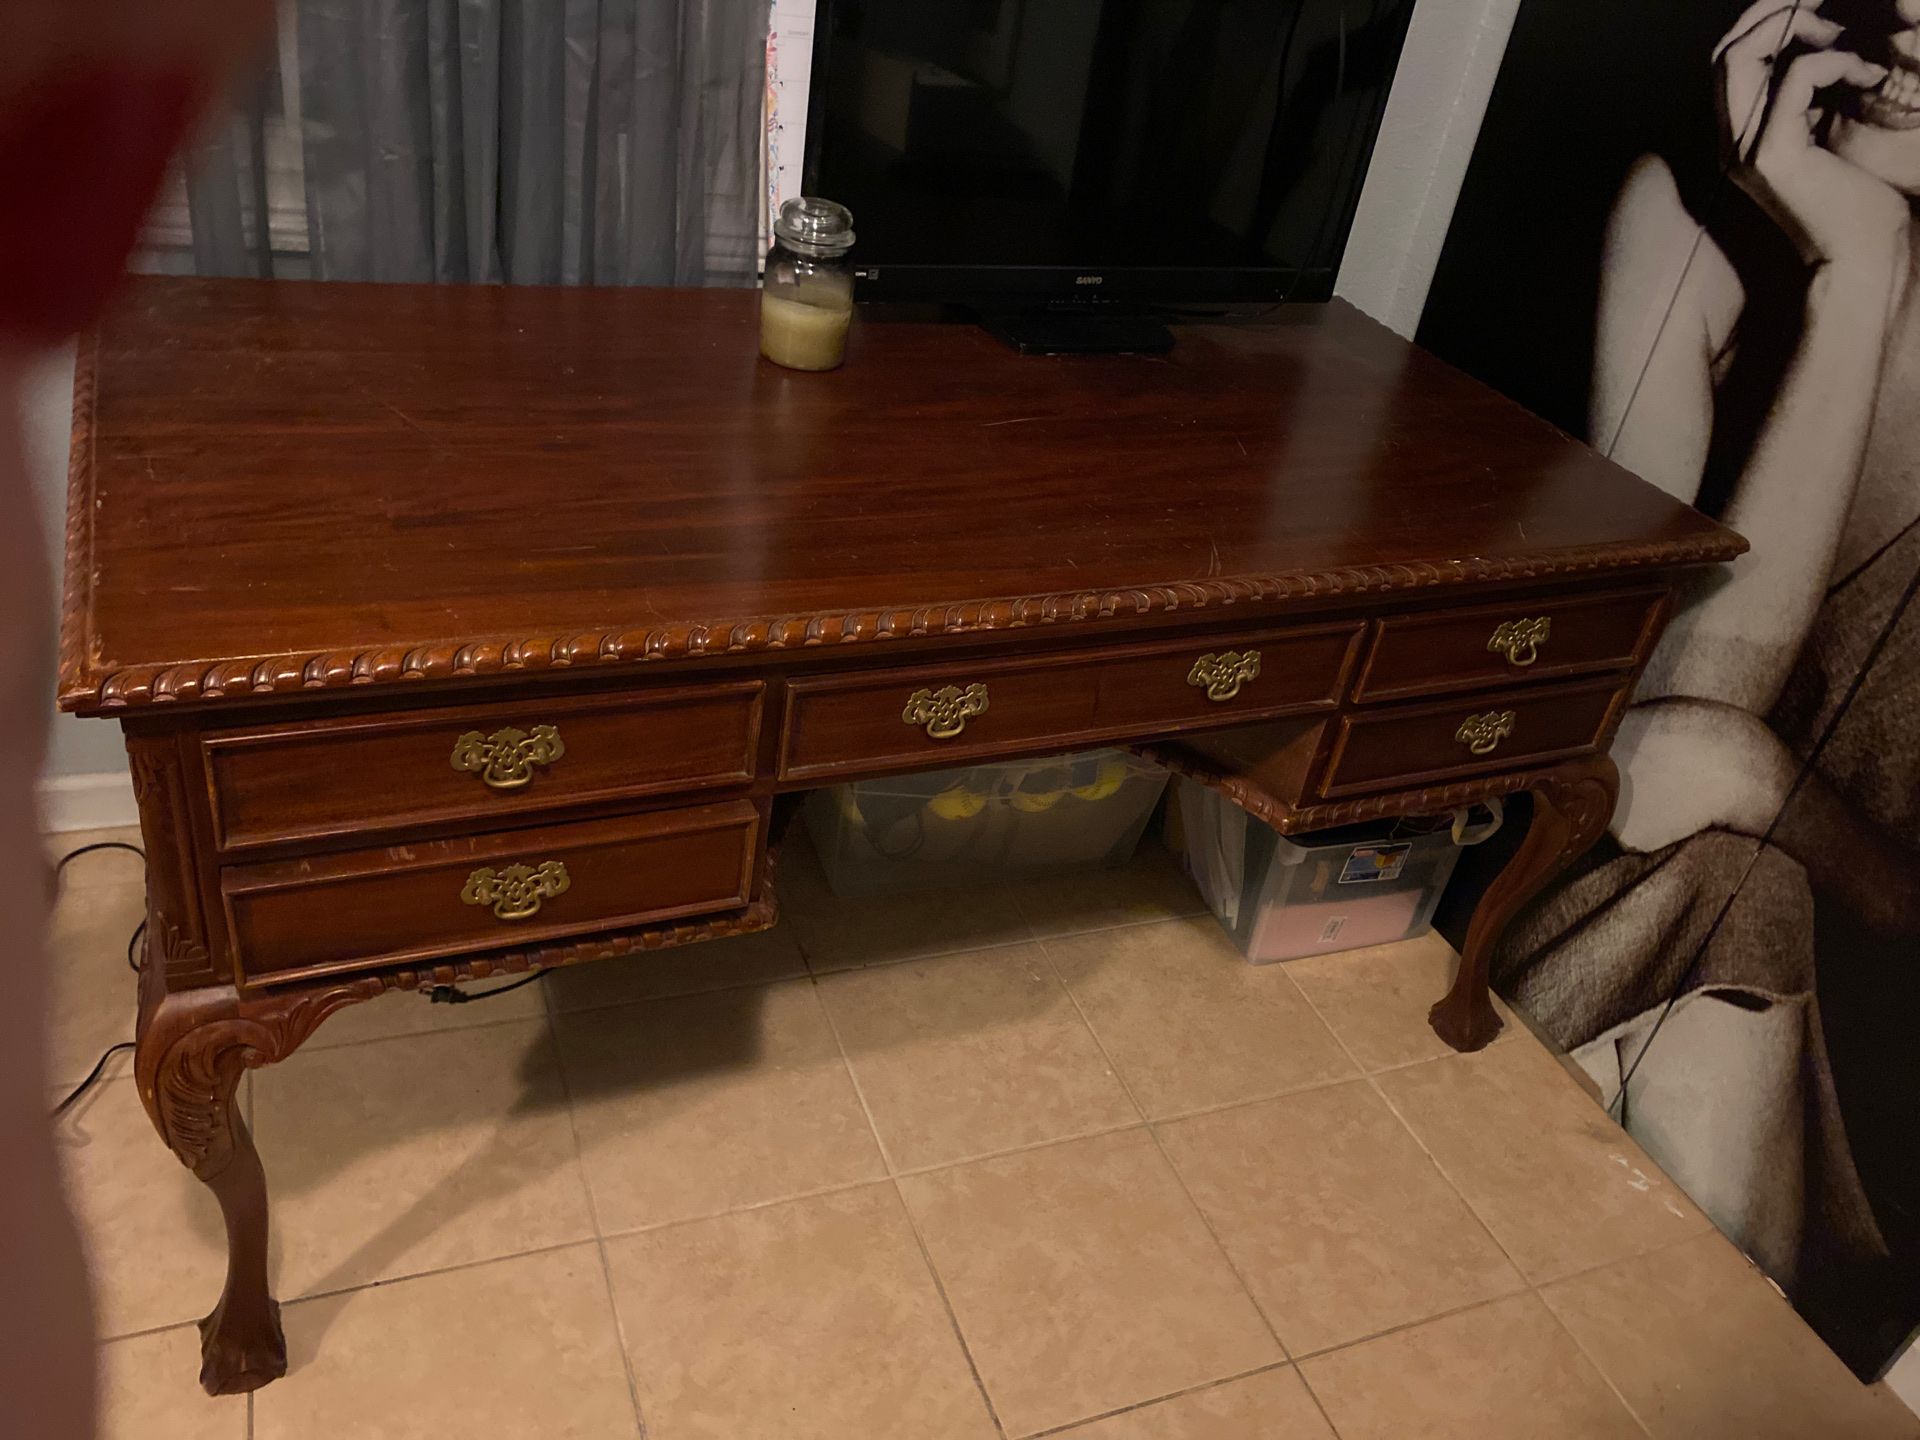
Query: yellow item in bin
{"points": [[982, 824], [1108, 777], [1034, 802], [958, 803], [1107, 781]]}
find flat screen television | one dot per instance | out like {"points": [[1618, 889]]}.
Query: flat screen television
{"points": [[1062, 153]]}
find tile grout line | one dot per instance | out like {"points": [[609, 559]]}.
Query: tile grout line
{"points": [[913, 1223], [1032, 937], [1373, 1082], [1314, 1011], [657, 1226], [1581, 1272], [1406, 1325], [1539, 1289], [1167, 1160], [1139, 1405], [853, 1080], [1367, 1076], [431, 1273], [414, 1275], [1587, 1355], [1265, 1098], [311, 1049], [1026, 1147], [1526, 1280], [593, 1216], [725, 987], [892, 960], [946, 1304]]}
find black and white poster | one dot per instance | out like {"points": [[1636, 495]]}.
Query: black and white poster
{"points": [[1691, 235]]}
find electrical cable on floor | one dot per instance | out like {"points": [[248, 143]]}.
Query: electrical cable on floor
{"points": [[60, 866], [133, 945], [93, 1076], [453, 995]]}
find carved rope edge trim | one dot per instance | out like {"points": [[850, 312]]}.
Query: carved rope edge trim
{"points": [[77, 580], [456, 659]]}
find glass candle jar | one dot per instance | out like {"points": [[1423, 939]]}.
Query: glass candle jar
{"points": [[806, 300]]}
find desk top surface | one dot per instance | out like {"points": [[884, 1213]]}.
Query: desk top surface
{"points": [[281, 486]]}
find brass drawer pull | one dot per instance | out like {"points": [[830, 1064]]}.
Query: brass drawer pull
{"points": [[945, 712], [505, 759], [515, 893], [1224, 674], [1482, 734], [1520, 640]]}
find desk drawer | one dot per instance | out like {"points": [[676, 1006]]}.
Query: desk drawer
{"points": [[1408, 745], [475, 764], [325, 915], [1527, 640], [934, 716]]}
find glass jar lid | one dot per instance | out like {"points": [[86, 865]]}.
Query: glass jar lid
{"points": [[814, 226]]}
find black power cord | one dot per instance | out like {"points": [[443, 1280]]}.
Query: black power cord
{"points": [[133, 944], [453, 995], [93, 1077]]}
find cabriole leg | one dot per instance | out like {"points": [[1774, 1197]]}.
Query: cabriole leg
{"points": [[192, 1049], [1571, 806]]}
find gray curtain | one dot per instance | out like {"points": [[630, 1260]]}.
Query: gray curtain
{"points": [[589, 142]]}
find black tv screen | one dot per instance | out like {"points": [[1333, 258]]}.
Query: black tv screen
{"points": [[1075, 149]]}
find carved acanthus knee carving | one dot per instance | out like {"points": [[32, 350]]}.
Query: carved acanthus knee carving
{"points": [[193, 1048]]}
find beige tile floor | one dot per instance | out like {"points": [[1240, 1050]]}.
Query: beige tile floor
{"points": [[1048, 1161]]}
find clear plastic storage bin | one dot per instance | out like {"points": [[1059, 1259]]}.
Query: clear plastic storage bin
{"points": [[1284, 897], [983, 824]]}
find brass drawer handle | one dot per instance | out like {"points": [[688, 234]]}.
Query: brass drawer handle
{"points": [[945, 712], [1482, 734], [1224, 674], [515, 893], [1520, 640], [505, 759]]}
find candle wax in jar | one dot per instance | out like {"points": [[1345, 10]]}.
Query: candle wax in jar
{"points": [[802, 336]]}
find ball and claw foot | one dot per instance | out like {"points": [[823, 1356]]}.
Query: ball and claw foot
{"points": [[1464, 1024], [236, 1356]]}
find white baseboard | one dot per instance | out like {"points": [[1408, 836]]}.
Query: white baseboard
{"points": [[87, 802], [1904, 1378]]}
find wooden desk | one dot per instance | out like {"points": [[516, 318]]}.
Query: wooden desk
{"points": [[457, 631]]}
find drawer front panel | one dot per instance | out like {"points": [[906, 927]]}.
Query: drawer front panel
{"points": [[933, 716], [333, 914], [1423, 744], [306, 780], [857, 724], [1244, 678], [1527, 640]]}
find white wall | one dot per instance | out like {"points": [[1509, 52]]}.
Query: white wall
{"points": [[1904, 1378], [86, 782], [1426, 139]]}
